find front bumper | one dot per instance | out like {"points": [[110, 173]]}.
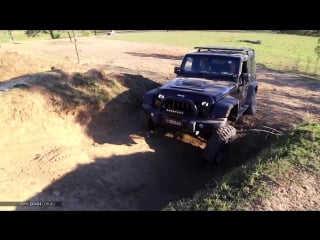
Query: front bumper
{"points": [[194, 126]]}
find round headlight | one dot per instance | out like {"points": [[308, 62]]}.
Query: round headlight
{"points": [[160, 96], [204, 104]]}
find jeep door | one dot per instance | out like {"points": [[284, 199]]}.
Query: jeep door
{"points": [[242, 84]]}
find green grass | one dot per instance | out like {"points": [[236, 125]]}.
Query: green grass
{"points": [[277, 51], [241, 188], [92, 86], [79, 90]]}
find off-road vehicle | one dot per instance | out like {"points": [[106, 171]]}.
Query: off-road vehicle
{"points": [[214, 86]]}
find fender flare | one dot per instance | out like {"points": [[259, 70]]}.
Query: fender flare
{"points": [[148, 97], [223, 108]]}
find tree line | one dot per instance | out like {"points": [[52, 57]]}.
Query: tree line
{"points": [[300, 32], [56, 34]]}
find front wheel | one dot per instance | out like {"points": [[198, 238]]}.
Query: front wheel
{"points": [[252, 109], [146, 120], [216, 146]]}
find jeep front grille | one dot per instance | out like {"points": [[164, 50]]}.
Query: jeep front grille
{"points": [[178, 108]]}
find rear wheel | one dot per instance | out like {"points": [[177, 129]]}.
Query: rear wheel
{"points": [[216, 146], [252, 109]]}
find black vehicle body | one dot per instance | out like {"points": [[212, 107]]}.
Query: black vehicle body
{"points": [[213, 86]]}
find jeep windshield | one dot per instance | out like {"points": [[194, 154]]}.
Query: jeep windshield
{"points": [[210, 66]]}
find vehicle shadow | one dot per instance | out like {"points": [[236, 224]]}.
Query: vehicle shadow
{"points": [[140, 181], [144, 181], [119, 119]]}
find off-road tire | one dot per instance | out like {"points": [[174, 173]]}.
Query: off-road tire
{"points": [[146, 121], [216, 146], [252, 109]]}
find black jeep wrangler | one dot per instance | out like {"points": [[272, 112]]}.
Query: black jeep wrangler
{"points": [[214, 86]]}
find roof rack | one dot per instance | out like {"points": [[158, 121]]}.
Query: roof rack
{"points": [[224, 49]]}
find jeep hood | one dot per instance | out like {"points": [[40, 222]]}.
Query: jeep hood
{"points": [[212, 88]]}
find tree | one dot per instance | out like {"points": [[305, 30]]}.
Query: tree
{"points": [[11, 36], [69, 35], [300, 32], [33, 33], [317, 49], [75, 45]]}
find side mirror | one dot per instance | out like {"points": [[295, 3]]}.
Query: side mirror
{"points": [[246, 77], [177, 70]]}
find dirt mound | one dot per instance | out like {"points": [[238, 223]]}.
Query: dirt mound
{"points": [[29, 128]]}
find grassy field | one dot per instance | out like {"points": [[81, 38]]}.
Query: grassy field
{"points": [[241, 188], [277, 51]]}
